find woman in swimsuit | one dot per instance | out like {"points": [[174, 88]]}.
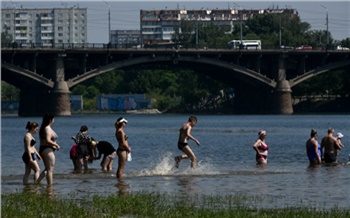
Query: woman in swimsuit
{"points": [[48, 145], [261, 148], [123, 146], [185, 134], [83, 140], [30, 152], [313, 149]]}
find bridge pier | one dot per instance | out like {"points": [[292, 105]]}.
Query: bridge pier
{"points": [[59, 96], [59, 99], [283, 98], [282, 93]]}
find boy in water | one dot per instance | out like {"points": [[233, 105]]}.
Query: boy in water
{"points": [[185, 134]]}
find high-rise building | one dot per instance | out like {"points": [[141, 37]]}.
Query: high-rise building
{"points": [[158, 26], [46, 27]]}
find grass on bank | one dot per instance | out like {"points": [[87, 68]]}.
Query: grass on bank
{"points": [[28, 205]]}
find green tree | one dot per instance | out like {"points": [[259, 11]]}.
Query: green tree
{"points": [[9, 92], [6, 38]]}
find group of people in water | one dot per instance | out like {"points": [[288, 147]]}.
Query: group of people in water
{"points": [[85, 148], [327, 151]]}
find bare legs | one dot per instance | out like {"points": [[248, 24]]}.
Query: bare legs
{"points": [[29, 167], [121, 164], [107, 164], [49, 162], [188, 154]]}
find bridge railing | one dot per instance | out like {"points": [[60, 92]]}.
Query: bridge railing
{"points": [[165, 46]]}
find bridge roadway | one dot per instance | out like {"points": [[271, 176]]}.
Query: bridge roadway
{"points": [[262, 79]]}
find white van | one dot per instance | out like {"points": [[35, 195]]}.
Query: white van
{"points": [[246, 44]]}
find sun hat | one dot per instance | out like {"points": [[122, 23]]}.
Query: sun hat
{"points": [[339, 135], [262, 132], [123, 120]]}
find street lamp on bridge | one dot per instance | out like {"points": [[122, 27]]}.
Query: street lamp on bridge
{"points": [[240, 18], [327, 40], [109, 21]]}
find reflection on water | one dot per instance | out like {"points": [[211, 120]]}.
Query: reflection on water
{"points": [[38, 189], [123, 188], [186, 185]]}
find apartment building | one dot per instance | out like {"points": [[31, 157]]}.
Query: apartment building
{"points": [[125, 38], [157, 26], [45, 27]]}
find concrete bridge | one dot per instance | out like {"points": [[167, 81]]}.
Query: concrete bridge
{"points": [[263, 79]]}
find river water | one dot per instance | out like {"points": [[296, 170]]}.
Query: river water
{"points": [[226, 159]]}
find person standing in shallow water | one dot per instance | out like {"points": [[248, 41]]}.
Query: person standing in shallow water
{"points": [[329, 147], [261, 148], [313, 149], [123, 146], [48, 146], [30, 153], [83, 140], [182, 144]]}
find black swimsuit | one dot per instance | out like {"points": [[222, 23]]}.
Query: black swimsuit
{"points": [[122, 149], [25, 156], [181, 145]]}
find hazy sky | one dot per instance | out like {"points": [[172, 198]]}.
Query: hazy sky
{"points": [[125, 14]]}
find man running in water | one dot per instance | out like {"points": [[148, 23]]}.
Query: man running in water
{"points": [[185, 134]]}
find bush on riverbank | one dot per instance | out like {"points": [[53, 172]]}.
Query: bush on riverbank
{"points": [[148, 205]]}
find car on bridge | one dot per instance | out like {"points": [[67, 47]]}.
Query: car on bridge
{"points": [[304, 47]]}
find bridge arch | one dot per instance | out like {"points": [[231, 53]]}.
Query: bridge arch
{"points": [[257, 77]]}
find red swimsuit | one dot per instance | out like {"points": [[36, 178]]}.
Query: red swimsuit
{"points": [[263, 147]]}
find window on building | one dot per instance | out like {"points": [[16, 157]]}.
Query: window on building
{"points": [[60, 22], [60, 28], [8, 15], [60, 15], [60, 34]]}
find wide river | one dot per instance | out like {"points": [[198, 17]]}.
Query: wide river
{"points": [[226, 159]]}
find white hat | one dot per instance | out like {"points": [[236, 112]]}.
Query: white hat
{"points": [[339, 135], [123, 120]]}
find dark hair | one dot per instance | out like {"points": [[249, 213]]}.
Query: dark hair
{"points": [[83, 128], [118, 124], [47, 118], [313, 132], [330, 130], [192, 118], [31, 125]]}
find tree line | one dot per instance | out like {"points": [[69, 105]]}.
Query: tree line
{"points": [[184, 90]]}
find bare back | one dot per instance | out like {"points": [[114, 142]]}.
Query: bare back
{"points": [[329, 144]]}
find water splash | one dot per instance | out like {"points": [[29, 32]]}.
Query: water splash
{"points": [[165, 166]]}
